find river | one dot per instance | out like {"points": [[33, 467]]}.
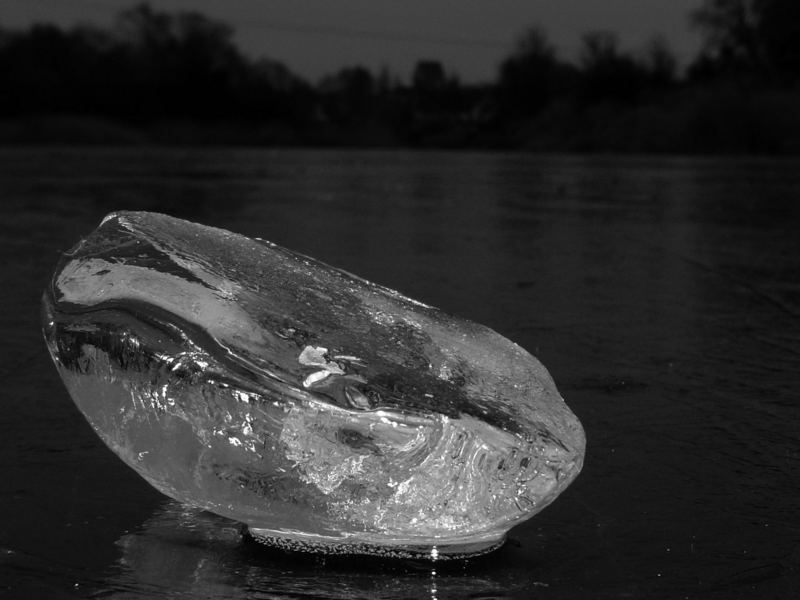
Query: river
{"points": [[663, 294]]}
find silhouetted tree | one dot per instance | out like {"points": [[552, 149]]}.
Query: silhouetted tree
{"points": [[385, 83], [661, 64], [761, 37], [267, 90], [433, 91], [606, 73], [731, 33], [428, 76], [779, 32], [49, 70], [349, 96], [190, 59], [395, 105], [530, 76]]}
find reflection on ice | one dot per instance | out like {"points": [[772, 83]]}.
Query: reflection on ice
{"points": [[185, 551], [323, 411]]}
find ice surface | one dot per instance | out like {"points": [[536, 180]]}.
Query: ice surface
{"points": [[322, 410]]}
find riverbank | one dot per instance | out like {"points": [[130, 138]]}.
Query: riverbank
{"points": [[721, 120]]}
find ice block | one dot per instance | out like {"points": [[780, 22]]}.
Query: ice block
{"points": [[325, 412]]}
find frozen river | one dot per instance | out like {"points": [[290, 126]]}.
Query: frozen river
{"points": [[663, 294]]}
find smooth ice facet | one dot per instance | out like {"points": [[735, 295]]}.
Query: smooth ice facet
{"points": [[322, 410]]}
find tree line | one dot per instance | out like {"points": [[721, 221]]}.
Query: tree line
{"points": [[179, 77]]}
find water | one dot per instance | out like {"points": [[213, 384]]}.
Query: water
{"points": [[662, 294]]}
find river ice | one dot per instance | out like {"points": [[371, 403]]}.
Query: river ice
{"points": [[323, 411]]}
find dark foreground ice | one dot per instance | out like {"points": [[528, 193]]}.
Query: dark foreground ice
{"points": [[323, 411]]}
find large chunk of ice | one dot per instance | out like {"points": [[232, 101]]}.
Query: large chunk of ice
{"points": [[320, 409]]}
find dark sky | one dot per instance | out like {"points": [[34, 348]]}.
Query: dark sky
{"points": [[317, 37]]}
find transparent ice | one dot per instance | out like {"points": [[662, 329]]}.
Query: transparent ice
{"points": [[323, 411]]}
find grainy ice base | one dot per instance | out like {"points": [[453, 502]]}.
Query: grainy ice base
{"points": [[450, 551]]}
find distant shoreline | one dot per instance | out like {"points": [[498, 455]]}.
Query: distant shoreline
{"points": [[178, 78], [696, 129]]}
